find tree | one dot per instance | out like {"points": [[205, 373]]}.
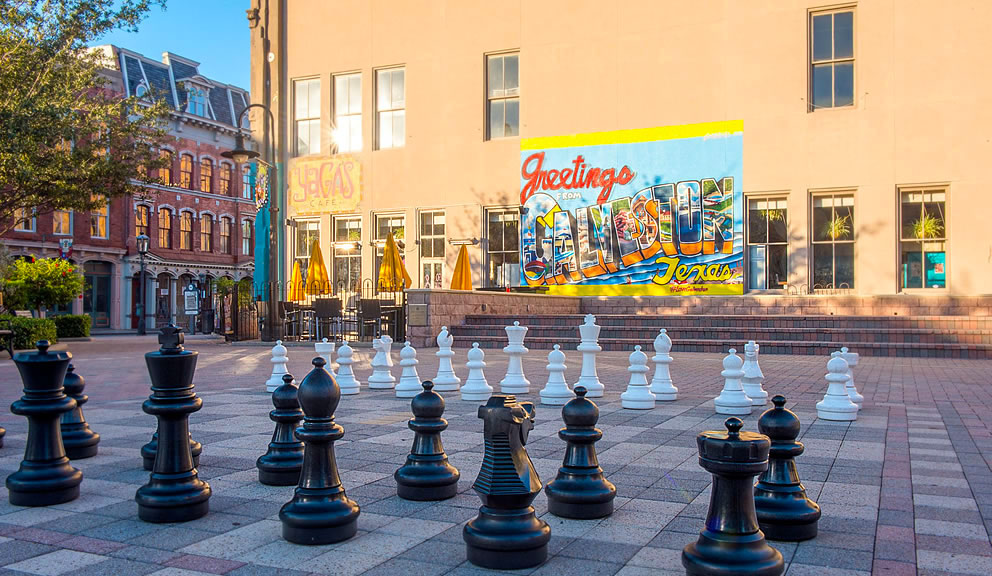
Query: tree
{"points": [[67, 142], [45, 282]]}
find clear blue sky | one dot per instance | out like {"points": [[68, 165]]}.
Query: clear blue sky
{"points": [[212, 32]]}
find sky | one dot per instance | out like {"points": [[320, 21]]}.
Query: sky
{"points": [[214, 33]]}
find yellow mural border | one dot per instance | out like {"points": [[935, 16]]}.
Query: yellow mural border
{"points": [[642, 290], [632, 136]]}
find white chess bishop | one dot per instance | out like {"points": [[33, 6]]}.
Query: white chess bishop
{"points": [[638, 395], [382, 378], [280, 357], [476, 388], [836, 404], [409, 384], [732, 400], [589, 347], [753, 376], [446, 380], [346, 376], [852, 391], [556, 392], [661, 383], [515, 382]]}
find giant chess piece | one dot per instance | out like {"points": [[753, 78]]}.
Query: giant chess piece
{"points": [[515, 382], [409, 384], [280, 357], [732, 399], [751, 381], [320, 511], [282, 462], [325, 349], [427, 474], [852, 391], [3, 432], [476, 388], [346, 374], [638, 395], [77, 438], [382, 378], [784, 511], [836, 404], [731, 542], [589, 347], [580, 490], [556, 391], [507, 534], [446, 380], [174, 492], [45, 476], [661, 383]]}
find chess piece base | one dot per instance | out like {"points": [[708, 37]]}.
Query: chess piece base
{"points": [[476, 396], [384, 385], [350, 391], [510, 389], [837, 414], [280, 469], [739, 555], [506, 539], [320, 521], [553, 399], [734, 410], [34, 485], [446, 386], [789, 527], [167, 502], [279, 477], [407, 393], [148, 453], [580, 510], [79, 441], [645, 404], [594, 388], [427, 479], [81, 452], [666, 396], [426, 493]]}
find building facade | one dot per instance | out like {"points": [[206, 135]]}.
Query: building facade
{"points": [[864, 127]]}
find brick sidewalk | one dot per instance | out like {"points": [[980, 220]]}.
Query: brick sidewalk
{"points": [[906, 489]]}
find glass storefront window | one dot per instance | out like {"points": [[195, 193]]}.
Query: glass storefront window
{"points": [[922, 239], [347, 258], [384, 224], [502, 247], [833, 237], [432, 249], [768, 243]]}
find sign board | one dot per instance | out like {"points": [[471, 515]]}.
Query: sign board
{"points": [[191, 301], [65, 248], [648, 211], [323, 185], [416, 314]]}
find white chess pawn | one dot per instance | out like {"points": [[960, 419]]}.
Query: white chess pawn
{"points": [[279, 359], [476, 388], [752, 376], [852, 391], [732, 400], [638, 395], [409, 384], [589, 346], [515, 382], [556, 392], [325, 350], [381, 377], [836, 404], [661, 383], [446, 380], [346, 376]]}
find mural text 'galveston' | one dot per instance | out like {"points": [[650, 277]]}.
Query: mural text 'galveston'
{"points": [[648, 211]]}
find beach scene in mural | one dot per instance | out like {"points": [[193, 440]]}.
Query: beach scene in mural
{"points": [[647, 211]]}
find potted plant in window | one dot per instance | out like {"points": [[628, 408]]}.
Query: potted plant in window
{"points": [[837, 227], [927, 226]]}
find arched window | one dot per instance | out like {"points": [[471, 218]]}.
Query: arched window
{"points": [[164, 228], [206, 233], [225, 235], [186, 231], [225, 179], [165, 172], [206, 175], [247, 246], [186, 171], [141, 220]]}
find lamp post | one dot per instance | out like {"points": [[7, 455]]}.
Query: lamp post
{"points": [[242, 155], [142, 242]]}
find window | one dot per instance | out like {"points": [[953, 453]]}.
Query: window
{"points": [[141, 220], [165, 172], [186, 171], [432, 249], [833, 241], [24, 222], [99, 218], [186, 231], [141, 90], [503, 94], [502, 253], [62, 223], [346, 255], [206, 233], [768, 243], [390, 103], [307, 232], [247, 246], [922, 239], [164, 228], [384, 225], [225, 235], [832, 58], [348, 112], [206, 175], [196, 101], [225, 179], [307, 116], [246, 181]]}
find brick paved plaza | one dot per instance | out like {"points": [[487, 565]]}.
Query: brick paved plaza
{"points": [[907, 489]]}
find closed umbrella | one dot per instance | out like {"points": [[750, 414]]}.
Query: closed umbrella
{"points": [[462, 277], [317, 279], [393, 276], [296, 283]]}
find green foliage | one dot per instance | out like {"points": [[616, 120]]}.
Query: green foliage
{"points": [[72, 325], [838, 227], [225, 286], [48, 282], [927, 227], [27, 331], [774, 215], [63, 134]]}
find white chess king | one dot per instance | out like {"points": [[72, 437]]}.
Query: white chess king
{"points": [[515, 382], [589, 347]]}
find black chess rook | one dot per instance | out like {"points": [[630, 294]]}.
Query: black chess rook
{"points": [[281, 464], [77, 438], [427, 475]]}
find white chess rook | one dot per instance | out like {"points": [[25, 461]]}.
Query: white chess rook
{"points": [[409, 384], [346, 376], [556, 392], [279, 360], [589, 347], [732, 400], [446, 380], [381, 377], [836, 404], [325, 350], [852, 391], [753, 376], [638, 395], [515, 382], [661, 383], [476, 388]]}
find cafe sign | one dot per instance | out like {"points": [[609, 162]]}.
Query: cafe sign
{"points": [[323, 185]]}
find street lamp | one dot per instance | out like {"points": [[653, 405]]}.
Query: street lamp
{"points": [[142, 242]]}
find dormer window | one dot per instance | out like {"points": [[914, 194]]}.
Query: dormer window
{"points": [[142, 89], [196, 103]]}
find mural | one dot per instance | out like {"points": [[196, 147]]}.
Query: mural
{"points": [[651, 211], [323, 185]]}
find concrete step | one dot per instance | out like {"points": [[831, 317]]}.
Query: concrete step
{"points": [[740, 321]]}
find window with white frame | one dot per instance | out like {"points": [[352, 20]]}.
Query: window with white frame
{"points": [[432, 249], [25, 220], [502, 247], [833, 241], [347, 256], [348, 112], [99, 220], [307, 232], [306, 116], [390, 106], [384, 225], [503, 95], [767, 243], [246, 191], [832, 58], [922, 238], [62, 223], [196, 101], [247, 245]]}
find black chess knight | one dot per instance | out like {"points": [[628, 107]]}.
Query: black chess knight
{"points": [[427, 475]]}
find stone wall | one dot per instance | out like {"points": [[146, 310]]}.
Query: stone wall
{"points": [[895, 305]]}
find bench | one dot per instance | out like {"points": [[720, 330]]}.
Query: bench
{"points": [[7, 336]]}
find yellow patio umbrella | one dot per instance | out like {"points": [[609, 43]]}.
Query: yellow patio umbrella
{"points": [[296, 283], [392, 273], [317, 279], [462, 277]]}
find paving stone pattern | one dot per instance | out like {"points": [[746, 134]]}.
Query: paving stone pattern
{"points": [[906, 489]]}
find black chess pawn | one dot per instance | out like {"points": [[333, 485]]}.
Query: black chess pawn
{"points": [[731, 542], [320, 511], [281, 464], [580, 490], [507, 534], [79, 441], [784, 511], [148, 451], [45, 476], [427, 475], [174, 492]]}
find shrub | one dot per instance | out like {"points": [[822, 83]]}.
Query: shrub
{"points": [[27, 331], [32, 284], [72, 325]]}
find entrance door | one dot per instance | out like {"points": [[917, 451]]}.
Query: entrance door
{"points": [[96, 296]]}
